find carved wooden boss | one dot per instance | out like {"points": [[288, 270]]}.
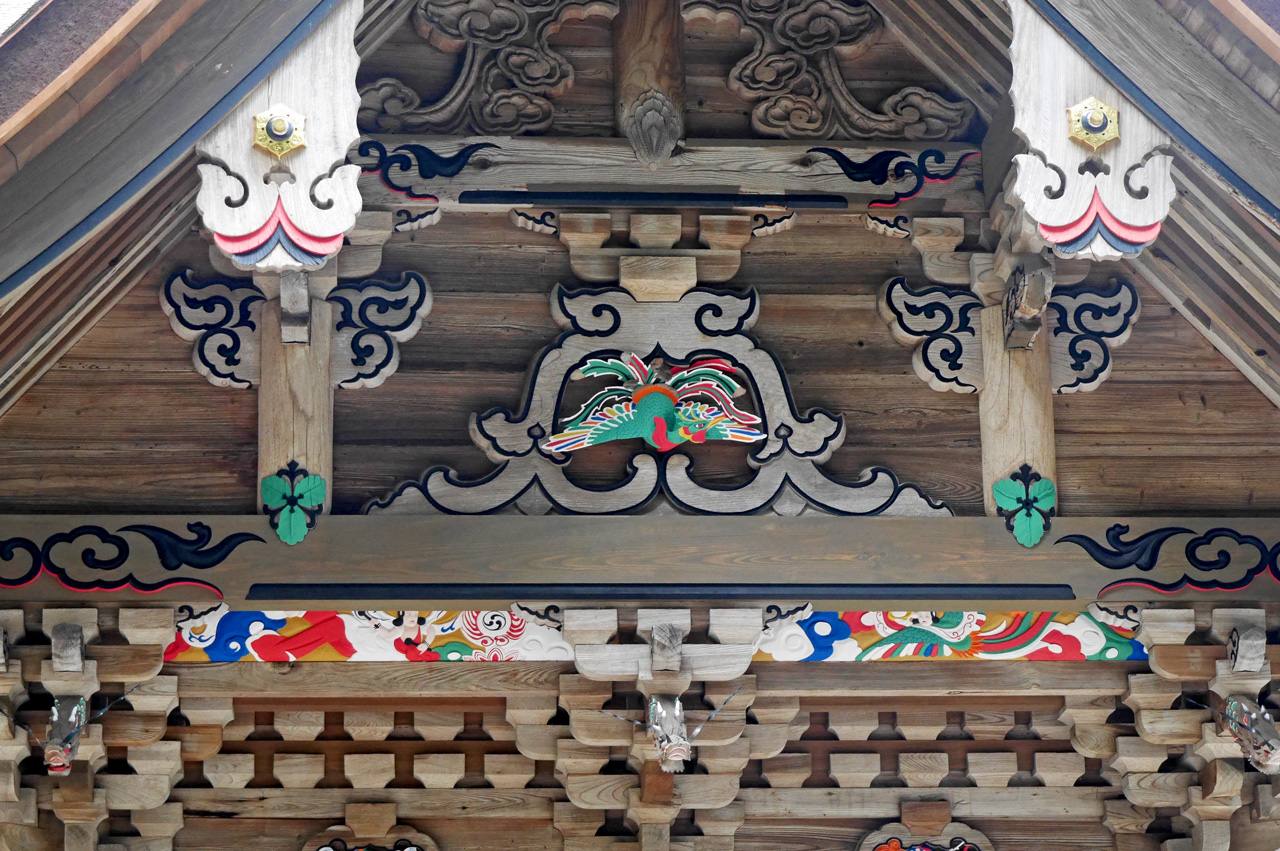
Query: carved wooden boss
{"points": [[1092, 185]]}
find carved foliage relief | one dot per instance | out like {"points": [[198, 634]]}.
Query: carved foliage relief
{"points": [[705, 324], [508, 73]]}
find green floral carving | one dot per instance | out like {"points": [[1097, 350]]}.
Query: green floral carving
{"points": [[293, 498], [1027, 502]]}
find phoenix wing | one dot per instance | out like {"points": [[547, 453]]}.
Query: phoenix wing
{"points": [[614, 422]]}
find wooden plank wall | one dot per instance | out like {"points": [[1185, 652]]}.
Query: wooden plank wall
{"points": [[123, 423]]}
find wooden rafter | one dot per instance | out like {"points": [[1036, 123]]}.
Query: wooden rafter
{"points": [[966, 47], [47, 319], [1218, 265]]}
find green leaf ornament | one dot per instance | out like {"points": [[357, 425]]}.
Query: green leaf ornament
{"points": [[1027, 501], [293, 499], [275, 492]]}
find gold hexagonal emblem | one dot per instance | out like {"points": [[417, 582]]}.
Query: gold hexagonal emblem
{"points": [[1093, 123], [278, 130]]}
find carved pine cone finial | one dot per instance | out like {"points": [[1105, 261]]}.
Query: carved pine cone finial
{"points": [[654, 127]]}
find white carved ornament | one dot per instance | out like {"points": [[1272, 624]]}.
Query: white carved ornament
{"points": [[277, 195], [1103, 203]]}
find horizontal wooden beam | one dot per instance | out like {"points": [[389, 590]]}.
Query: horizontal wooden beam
{"points": [[486, 561], [330, 804], [1195, 662], [500, 172], [974, 678], [1056, 804], [385, 680]]}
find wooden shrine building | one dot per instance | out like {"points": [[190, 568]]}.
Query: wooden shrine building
{"points": [[639, 425]]}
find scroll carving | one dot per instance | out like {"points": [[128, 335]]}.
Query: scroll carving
{"points": [[787, 479], [222, 318], [1084, 323], [1095, 183], [792, 74], [508, 71], [942, 324]]}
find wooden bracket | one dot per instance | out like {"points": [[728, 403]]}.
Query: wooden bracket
{"points": [[654, 270]]}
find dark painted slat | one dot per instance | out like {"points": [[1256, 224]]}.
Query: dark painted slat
{"points": [[673, 591]]}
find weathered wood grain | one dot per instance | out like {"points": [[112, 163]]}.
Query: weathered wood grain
{"points": [[485, 560], [978, 679], [648, 40], [1071, 804], [389, 679], [410, 803]]}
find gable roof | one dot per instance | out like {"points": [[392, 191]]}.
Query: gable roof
{"points": [[125, 144]]}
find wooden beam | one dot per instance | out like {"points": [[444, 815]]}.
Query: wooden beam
{"points": [[705, 172], [388, 680], [648, 78], [976, 678], [295, 396], [481, 561], [1015, 407], [1058, 804], [330, 804]]}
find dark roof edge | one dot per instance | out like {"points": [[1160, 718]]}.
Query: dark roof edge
{"points": [[158, 166], [1181, 135]]}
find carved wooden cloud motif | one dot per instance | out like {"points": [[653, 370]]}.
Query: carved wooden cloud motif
{"points": [[509, 73], [533, 446], [222, 318], [1084, 323]]}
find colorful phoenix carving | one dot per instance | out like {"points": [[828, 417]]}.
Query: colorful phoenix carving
{"points": [[658, 404]]}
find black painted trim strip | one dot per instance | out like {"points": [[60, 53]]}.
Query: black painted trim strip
{"points": [[649, 591], [1121, 81], [170, 155], [726, 200]]}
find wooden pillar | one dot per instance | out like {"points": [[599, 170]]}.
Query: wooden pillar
{"points": [[648, 67], [295, 397], [1015, 406]]}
